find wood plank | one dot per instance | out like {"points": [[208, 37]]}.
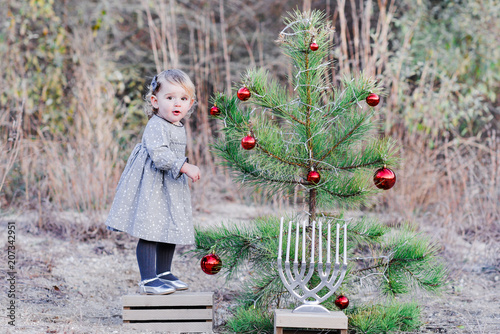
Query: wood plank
{"points": [[126, 308], [172, 327], [175, 299], [287, 319], [176, 314]]}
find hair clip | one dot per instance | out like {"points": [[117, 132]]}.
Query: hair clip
{"points": [[154, 83]]}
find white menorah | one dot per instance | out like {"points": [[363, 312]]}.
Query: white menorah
{"points": [[300, 279]]}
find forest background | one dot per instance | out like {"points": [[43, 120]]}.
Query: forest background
{"points": [[73, 76]]}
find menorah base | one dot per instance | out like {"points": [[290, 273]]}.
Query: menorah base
{"points": [[285, 320], [310, 308]]}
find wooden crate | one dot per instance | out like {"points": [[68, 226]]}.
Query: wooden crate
{"points": [[287, 322], [180, 312]]}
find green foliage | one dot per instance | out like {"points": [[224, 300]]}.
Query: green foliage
{"points": [[413, 263], [385, 318], [316, 128], [74, 99], [45, 48], [389, 317], [449, 78], [403, 261], [250, 320], [38, 49], [237, 244]]}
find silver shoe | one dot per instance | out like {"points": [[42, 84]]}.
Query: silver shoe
{"points": [[177, 284], [163, 289]]}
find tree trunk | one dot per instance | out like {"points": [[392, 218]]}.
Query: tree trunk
{"points": [[312, 206], [306, 6]]}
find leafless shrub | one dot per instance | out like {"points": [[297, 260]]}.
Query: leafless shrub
{"points": [[9, 150]]}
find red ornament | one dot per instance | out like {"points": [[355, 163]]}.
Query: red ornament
{"points": [[243, 94], [342, 302], [211, 264], [373, 99], [214, 111], [248, 142], [313, 46], [384, 178], [313, 177]]}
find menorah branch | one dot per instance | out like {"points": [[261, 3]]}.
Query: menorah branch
{"points": [[297, 282]]}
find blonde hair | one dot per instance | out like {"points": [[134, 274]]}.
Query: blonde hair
{"points": [[175, 77]]}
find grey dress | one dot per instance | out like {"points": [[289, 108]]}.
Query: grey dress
{"points": [[152, 200]]}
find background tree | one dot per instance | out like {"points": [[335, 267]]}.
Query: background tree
{"points": [[322, 140]]}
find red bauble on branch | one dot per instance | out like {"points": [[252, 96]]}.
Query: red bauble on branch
{"points": [[373, 99], [384, 178], [211, 264], [214, 111], [342, 302], [248, 142], [243, 93], [314, 46], [313, 177]]}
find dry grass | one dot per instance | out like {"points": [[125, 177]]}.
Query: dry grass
{"points": [[454, 185], [9, 150], [78, 171]]}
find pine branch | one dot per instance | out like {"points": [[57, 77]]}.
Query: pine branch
{"points": [[376, 154], [354, 91], [342, 195], [268, 94], [250, 321], [279, 158], [289, 115], [257, 174], [346, 189], [386, 264], [410, 260], [420, 281], [391, 316], [237, 127], [371, 163], [343, 139]]}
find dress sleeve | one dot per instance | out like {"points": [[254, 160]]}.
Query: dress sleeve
{"points": [[157, 141]]}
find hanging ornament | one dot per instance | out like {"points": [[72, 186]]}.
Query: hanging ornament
{"points": [[342, 302], [384, 178], [211, 264], [243, 93], [313, 46], [248, 142], [214, 111], [313, 177], [373, 99]]}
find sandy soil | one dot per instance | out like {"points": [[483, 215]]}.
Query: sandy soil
{"points": [[67, 286]]}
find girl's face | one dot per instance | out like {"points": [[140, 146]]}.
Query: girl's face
{"points": [[172, 102]]}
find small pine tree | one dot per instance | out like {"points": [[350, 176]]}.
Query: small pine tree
{"points": [[330, 131]]}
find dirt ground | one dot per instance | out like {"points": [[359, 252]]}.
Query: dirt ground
{"points": [[67, 286]]}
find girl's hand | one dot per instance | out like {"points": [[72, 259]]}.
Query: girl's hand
{"points": [[192, 171]]}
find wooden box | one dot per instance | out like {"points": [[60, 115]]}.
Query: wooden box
{"points": [[287, 322], [180, 312]]}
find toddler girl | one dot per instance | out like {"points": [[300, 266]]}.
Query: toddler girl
{"points": [[152, 200]]}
